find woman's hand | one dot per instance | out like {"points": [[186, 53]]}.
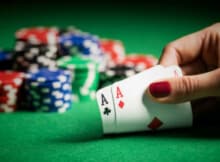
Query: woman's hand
{"points": [[198, 55]]}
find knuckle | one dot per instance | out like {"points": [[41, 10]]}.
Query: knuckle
{"points": [[172, 48], [186, 87], [168, 47]]}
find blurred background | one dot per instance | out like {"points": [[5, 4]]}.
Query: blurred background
{"points": [[143, 27]]}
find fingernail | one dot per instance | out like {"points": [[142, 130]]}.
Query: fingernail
{"points": [[160, 89]]}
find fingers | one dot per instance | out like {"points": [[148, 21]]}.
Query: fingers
{"points": [[183, 50], [195, 67], [186, 88], [202, 44], [197, 53]]}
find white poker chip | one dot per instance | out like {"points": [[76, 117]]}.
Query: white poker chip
{"points": [[67, 97], [56, 85], [59, 103]]}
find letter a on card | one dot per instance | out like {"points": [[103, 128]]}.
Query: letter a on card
{"points": [[106, 108], [118, 93], [104, 100]]}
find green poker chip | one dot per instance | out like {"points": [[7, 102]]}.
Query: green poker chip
{"points": [[85, 76], [77, 63]]}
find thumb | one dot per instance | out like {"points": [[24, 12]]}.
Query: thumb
{"points": [[186, 88]]}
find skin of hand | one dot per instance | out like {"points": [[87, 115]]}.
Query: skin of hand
{"points": [[198, 55]]}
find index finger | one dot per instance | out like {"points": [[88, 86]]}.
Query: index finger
{"points": [[184, 50]]}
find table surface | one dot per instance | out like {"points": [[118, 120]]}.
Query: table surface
{"points": [[77, 134]]}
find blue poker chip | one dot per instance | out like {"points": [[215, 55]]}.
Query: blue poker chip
{"points": [[54, 95], [49, 90], [61, 109], [46, 75], [84, 44], [55, 105], [46, 86]]}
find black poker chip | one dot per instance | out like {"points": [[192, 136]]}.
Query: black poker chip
{"points": [[34, 56], [115, 73]]}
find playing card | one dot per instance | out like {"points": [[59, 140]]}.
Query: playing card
{"points": [[106, 107], [134, 111], [131, 113], [173, 71], [163, 116]]}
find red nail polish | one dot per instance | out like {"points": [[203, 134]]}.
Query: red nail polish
{"points": [[160, 89]]}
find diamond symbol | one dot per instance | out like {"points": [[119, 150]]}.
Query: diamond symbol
{"points": [[121, 104], [155, 123]]}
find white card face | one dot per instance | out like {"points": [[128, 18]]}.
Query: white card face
{"points": [[173, 71], [106, 108], [131, 113], [164, 116], [136, 112]]}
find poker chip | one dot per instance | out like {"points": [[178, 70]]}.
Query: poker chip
{"points": [[113, 50], [115, 73], [32, 57], [125, 67], [49, 90], [76, 42], [10, 86], [38, 35], [139, 61], [84, 61], [85, 76], [35, 48]]}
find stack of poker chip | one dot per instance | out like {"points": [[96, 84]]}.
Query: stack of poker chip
{"points": [[139, 61], [49, 90], [75, 42], [113, 50], [6, 59], [126, 67], [114, 73], [85, 76], [10, 86], [36, 48]]}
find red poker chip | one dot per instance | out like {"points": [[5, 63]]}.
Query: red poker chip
{"points": [[7, 108], [7, 77], [2, 91], [10, 84], [140, 61], [3, 99], [38, 35], [113, 49]]}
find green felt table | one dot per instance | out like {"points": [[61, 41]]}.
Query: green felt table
{"points": [[77, 134]]}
